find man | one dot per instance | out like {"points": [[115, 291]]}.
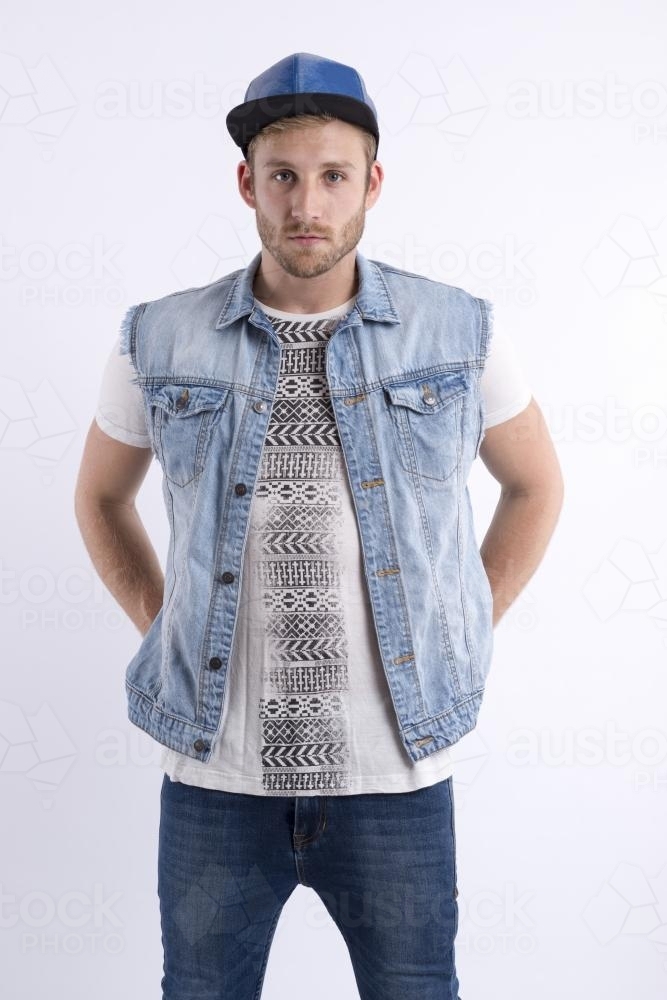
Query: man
{"points": [[323, 633]]}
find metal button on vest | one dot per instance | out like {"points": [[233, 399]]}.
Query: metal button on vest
{"points": [[259, 406], [182, 399], [428, 396], [240, 489], [215, 663], [200, 745], [228, 577]]}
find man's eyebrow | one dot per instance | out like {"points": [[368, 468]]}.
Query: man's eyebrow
{"points": [[329, 165]]}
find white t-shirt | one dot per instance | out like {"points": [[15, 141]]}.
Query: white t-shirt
{"points": [[307, 707]]}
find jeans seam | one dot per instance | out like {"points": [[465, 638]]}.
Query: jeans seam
{"points": [[453, 826], [267, 949]]}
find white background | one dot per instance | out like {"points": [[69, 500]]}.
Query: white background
{"points": [[555, 208]]}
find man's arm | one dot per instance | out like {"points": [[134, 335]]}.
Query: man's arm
{"points": [[109, 479], [519, 453]]}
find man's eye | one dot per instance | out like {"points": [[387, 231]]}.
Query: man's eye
{"points": [[334, 173], [281, 172]]}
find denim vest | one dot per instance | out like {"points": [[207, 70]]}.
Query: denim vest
{"points": [[403, 371]]}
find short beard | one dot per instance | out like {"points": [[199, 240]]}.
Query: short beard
{"points": [[301, 263]]}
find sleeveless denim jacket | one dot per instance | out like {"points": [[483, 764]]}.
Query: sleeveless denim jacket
{"points": [[403, 371]]}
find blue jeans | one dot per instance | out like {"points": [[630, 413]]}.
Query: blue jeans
{"points": [[384, 866]]}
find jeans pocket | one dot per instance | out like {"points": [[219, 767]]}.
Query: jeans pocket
{"points": [[182, 418], [426, 415]]}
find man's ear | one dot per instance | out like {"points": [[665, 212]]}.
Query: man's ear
{"points": [[244, 177], [375, 184]]}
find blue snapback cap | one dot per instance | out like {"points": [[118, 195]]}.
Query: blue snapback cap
{"points": [[302, 83]]}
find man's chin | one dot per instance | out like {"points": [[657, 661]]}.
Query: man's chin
{"points": [[305, 265], [307, 272]]}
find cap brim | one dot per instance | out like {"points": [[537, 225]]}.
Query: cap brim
{"points": [[246, 120]]}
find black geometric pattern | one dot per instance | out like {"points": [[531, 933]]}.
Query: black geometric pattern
{"points": [[298, 573], [281, 782], [293, 650], [296, 523], [300, 492], [292, 467], [306, 626], [298, 542], [302, 601], [284, 709], [306, 678]]}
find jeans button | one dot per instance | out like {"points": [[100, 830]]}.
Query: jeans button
{"points": [[228, 577], [259, 406], [215, 663], [200, 745], [240, 489]]}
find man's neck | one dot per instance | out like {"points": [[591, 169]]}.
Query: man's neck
{"points": [[275, 288]]}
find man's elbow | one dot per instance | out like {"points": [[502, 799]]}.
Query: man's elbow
{"points": [[546, 487]]}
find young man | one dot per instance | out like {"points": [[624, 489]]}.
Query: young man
{"points": [[324, 630]]}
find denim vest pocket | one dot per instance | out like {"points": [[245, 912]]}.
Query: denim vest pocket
{"points": [[182, 418], [426, 416]]}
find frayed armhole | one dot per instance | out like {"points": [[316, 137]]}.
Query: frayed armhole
{"points": [[487, 308], [488, 316], [127, 338]]}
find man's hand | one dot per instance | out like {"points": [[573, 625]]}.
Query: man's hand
{"points": [[109, 478], [519, 453]]}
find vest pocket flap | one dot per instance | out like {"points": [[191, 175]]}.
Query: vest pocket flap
{"points": [[184, 400], [429, 393]]}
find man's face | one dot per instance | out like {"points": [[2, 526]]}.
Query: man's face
{"points": [[310, 196]]}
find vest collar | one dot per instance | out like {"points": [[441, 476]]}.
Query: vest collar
{"points": [[374, 301]]}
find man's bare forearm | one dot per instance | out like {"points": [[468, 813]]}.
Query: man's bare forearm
{"points": [[516, 540], [124, 558]]}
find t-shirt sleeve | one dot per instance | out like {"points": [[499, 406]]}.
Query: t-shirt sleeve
{"points": [[504, 389], [120, 406]]}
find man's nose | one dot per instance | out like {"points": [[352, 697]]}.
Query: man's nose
{"points": [[306, 201]]}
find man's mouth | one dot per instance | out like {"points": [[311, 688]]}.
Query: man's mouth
{"points": [[307, 239]]}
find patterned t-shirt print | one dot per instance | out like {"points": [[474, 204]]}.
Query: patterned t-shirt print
{"points": [[297, 519]]}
